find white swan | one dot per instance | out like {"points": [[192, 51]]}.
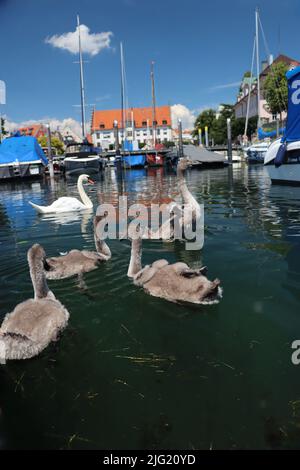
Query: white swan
{"points": [[69, 204], [33, 324]]}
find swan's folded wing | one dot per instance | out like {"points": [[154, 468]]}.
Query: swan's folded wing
{"points": [[189, 273], [68, 204], [35, 320]]}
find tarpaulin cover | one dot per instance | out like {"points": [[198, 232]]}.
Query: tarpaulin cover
{"points": [[21, 149], [263, 134], [292, 131], [134, 160]]}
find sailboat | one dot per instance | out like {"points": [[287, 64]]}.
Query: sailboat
{"points": [[82, 157], [154, 157], [255, 153], [282, 159], [131, 156]]}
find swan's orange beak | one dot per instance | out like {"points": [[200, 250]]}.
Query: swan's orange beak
{"points": [[90, 181]]}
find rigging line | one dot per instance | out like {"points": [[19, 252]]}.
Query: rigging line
{"points": [[278, 91], [250, 87]]}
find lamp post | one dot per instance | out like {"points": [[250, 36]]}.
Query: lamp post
{"points": [[51, 169], [180, 143], [229, 141]]}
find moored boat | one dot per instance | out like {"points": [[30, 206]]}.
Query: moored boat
{"points": [[155, 157], [282, 159], [21, 157], [134, 160], [82, 158], [256, 152]]}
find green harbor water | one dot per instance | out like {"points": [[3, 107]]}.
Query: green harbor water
{"points": [[135, 372]]}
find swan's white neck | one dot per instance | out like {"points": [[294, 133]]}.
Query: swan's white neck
{"points": [[187, 196], [135, 264], [84, 197]]}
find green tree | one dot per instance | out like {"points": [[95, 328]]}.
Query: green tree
{"points": [[3, 131], [275, 88], [238, 127], [55, 142], [205, 118]]}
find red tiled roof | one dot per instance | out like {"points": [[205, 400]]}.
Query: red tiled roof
{"points": [[33, 129], [281, 58], [140, 115]]}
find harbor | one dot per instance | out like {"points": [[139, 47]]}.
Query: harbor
{"points": [[150, 250]]}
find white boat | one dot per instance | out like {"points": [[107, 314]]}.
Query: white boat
{"points": [[282, 159], [289, 171], [256, 152], [21, 157]]}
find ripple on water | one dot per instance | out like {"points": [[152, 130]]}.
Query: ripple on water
{"points": [[131, 362]]}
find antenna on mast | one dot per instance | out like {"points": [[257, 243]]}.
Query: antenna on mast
{"points": [[123, 126], [153, 105], [257, 67], [82, 94]]}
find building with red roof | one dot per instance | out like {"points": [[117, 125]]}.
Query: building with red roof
{"points": [[138, 125], [35, 130]]}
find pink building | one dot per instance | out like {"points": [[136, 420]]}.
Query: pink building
{"points": [[240, 106]]}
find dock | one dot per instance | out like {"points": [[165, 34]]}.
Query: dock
{"points": [[201, 157]]}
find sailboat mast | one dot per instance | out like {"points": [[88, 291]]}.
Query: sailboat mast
{"points": [[257, 67], [153, 105], [123, 92], [250, 88], [82, 96]]}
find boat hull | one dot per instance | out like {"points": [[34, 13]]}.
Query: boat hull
{"points": [[154, 159], [21, 170], [285, 174], [78, 166], [134, 161]]}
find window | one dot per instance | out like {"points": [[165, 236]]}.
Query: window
{"points": [[154, 123], [164, 122], [102, 126], [158, 131], [144, 123], [98, 135]]}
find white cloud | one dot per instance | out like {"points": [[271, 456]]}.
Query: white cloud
{"points": [[61, 124], [187, 116], [225, 85], [91, 43]]}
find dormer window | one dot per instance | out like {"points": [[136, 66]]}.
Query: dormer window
{"points": [[144, 123], [102, 126], [164, 122]]}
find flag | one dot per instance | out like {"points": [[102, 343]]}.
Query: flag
{"points": [[292, 131]]}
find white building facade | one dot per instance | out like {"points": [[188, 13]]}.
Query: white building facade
{"points": [[138, 128]]}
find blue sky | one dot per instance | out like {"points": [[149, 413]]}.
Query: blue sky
{"points": [[199, 48]]}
